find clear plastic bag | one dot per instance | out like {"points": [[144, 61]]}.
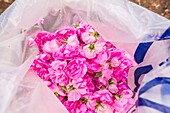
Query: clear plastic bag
{"points": [[128, 26]]}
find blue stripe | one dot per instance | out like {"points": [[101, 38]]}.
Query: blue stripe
{"points": [[165, 90], [154, 105], [141, 51], [154, 82], [166, 35], [140, 71]]}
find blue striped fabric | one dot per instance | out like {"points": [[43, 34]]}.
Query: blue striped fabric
{"points": [[139, 56], [154, 82], [140, 71], [154, 105]]}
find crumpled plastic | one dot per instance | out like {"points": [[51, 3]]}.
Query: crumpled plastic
{"points": [[125, 24]]}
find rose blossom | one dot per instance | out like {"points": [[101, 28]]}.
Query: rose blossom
{"points": [[77, 89], [104, 96], [85, 72], [65, 52], [50, 46], [88, 38], [91, 50], [58, 66], [76, 68], [73, 41], [62, 79]]}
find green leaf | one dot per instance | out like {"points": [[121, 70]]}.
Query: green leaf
{"points": [[64, 88], [117, 96]]}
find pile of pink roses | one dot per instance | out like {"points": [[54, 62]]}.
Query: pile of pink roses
{"points": [[87, 73]]}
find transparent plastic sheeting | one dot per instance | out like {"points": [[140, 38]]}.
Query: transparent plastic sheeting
{"points": [[142, 33]]}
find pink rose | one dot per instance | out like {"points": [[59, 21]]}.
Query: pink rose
{"points": [[102, 58], [78, 88], [58, 66], [58, 89], [65, 52], [115, 62], [73, 41], [63, 35], [74, 95], [62, 79], [42, 38], [104, 96], [127, 93], [87, 38], [91, 50], [50, 46], [76, 68], [113, 88], [93, 67]]}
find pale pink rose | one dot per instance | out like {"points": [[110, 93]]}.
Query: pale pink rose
{"points": [[65, 52], [89, 53], [114, 62], [88, 38], [74, 95], [56, 88], [113, 88], [91, 50], [123, 104], [63, 35], [81, 85], [62, 79], [127, 93], [50, 46], [104, 96], [91, 102], [102, 58], [106, 74], [99, 46], [73, 41], [76, 68], [79, 88], [82, 109], [58, 66]]}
